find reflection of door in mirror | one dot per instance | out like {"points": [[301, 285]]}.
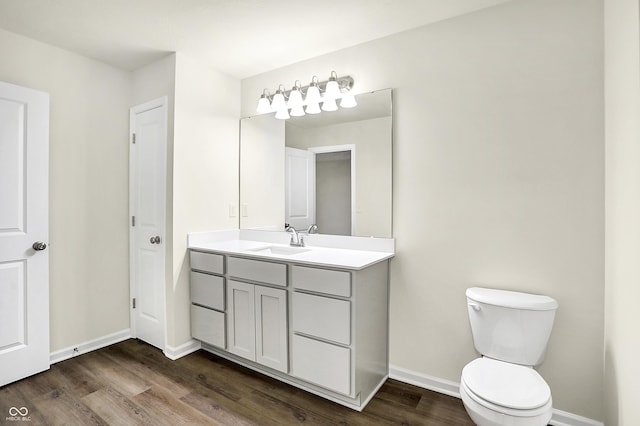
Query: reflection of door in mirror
{"points": [[300, 188]]}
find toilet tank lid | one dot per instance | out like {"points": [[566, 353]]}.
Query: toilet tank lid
{"points": [[512, 299]]}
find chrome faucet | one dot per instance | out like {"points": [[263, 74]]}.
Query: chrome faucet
{"points": [[298, 241], [313, 229]]}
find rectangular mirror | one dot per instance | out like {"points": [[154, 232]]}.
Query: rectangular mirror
{"points": [[332, 170]]}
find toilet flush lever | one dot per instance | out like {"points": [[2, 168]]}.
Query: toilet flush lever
{"points": [[475, 306]]}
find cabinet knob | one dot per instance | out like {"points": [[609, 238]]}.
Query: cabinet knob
{"points": [[155, 240]]}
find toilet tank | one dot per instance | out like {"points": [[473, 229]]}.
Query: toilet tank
{"points": [[510, 326]]}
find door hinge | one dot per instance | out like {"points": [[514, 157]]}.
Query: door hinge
{"points": [[133, 305], [133, 221], [133, 138]]}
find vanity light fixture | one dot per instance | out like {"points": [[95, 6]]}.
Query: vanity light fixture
{"points": [[313, 109], [329, 105], [282, 114], [295, 100], [307, 99], [278, 103], [348, 101], [313, 97], [313, 91], [332, 90], [264, 105]]}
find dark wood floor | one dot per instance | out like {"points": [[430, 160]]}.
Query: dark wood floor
{"points": [[133, 383]]}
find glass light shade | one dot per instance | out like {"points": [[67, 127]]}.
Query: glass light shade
{"points": [[348, 101], [313, 95], [332, 90], [278, 102], [263, 105], [329, 105], [313, 108], [295, 98], [282, 114], [297, 111]]}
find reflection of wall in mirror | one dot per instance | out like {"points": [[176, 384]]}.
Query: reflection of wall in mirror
{"points": [[262, 173], [373, 167]]}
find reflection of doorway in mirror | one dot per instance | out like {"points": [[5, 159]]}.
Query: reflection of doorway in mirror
{"points": [[320, 188], [333, 192], [335, 189]]}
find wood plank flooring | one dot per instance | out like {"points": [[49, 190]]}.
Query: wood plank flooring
{"points": [[132, 383]]}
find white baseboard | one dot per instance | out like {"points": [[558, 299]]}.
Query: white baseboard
{"points": [[424, 381], [447, 387], [562, 418], [91, 345], [174, 353]]}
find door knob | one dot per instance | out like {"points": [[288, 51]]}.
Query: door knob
{"points": [[39, 246], [155, 240]]}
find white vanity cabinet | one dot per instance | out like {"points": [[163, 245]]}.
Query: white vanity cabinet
{"points": [[321, 328]]}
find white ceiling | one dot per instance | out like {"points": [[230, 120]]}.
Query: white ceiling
{"points": [[239, 37]]}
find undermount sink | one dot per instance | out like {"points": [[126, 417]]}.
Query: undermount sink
{"points": [[279, 250]]}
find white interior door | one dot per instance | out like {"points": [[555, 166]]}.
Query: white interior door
{"points": [[300, 188], [147, 181], [24, 259]]}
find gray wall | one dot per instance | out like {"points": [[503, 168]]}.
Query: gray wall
{"points": [[498, 178], [88, 186], [622, 344]]}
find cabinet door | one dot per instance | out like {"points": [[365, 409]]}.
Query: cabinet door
{"points": [[241, 332], [271, 328]]}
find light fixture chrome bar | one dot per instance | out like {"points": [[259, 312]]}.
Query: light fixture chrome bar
{"points": [[345, 83]]}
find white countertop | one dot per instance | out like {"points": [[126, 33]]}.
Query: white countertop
{"points": [[357, 254]]}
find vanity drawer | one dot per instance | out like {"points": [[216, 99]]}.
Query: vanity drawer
{"points": [[256, 270], [322, 363], [321, 280], [207, 326], [322, 317], [207, 290], [208, 262]]}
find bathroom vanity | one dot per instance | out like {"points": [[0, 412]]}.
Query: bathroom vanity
{"points": [[315, 317]]}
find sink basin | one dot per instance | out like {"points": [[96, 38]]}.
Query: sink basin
{"points": [[279, 250]]}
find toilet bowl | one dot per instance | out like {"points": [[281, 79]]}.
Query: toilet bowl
{"points": [[500, 393], [510, 331]]}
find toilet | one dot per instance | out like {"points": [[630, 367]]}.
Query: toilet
{"points": [[510, 330]]}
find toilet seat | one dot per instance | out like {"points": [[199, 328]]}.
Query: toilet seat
{"points": [[507, 388]]}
